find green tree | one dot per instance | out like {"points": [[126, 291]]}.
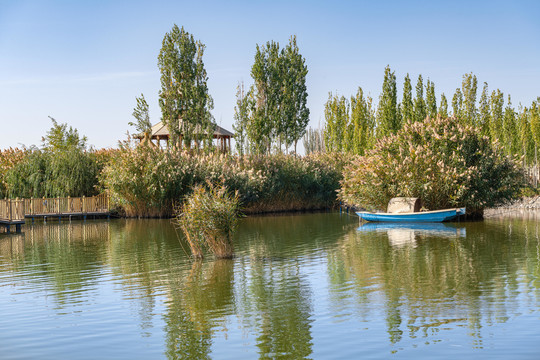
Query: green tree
{"points": [[388, 121], [469, 88], [419, 103], [457, 104], [534, 120], [242, 113], [496, 104], [141, 114], [525, 135], [266, 118], [484, 116], [184, 99], [362, 123], [293, 104], [59, 137], [407, 109], [336, 113], [431, 99], [510, 136], [443, 109]]}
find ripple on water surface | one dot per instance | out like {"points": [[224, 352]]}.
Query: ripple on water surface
{"points": [[300, 286]]}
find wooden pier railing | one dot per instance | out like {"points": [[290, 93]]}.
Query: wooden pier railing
{"points": [[14, 210]]}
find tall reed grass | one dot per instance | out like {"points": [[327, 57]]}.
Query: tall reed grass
{"points": [[208, 218], [146, 181]]}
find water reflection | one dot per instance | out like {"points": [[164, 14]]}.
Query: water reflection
{"points": [[275, 303], [294, 280], [198, 303], [401, 234], [439, 277], [64, 258]]}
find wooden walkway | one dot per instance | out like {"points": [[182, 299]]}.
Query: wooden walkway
{"points": [[15, 211]]}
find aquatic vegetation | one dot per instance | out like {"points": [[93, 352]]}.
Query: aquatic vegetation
{"points": [[443, 162], [208, 218]]}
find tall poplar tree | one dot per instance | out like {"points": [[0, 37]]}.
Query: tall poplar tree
{"points": [[496, 104], [362, 123], [183, 98], [525, 135], [266, 118], [388, 121], [281, 113], [510, 133], [443, 109], [242, 114], [457, 105], [484, 112], [294, 110], [431, 99], [534, 120], [469, 88], [336, 113], [407, 109], [419, 102]]}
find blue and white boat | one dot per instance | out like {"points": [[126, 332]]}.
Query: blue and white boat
{"points": [[422, 216]]}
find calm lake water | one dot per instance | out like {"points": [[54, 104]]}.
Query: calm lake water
{"points": [[301, 286]]}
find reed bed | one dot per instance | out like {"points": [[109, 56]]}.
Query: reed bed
{"points": [[146, 181], [208, 219]]}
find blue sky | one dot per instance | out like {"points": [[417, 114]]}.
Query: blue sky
{"points": [[84, 62]]}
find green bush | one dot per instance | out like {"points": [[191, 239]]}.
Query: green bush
{"points": [[51, 173], [442, 162], [208, 219], [146, 181]]}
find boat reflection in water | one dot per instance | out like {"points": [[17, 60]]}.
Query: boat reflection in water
{"points": [[400, 234]]}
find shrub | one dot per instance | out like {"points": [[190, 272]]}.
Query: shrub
{"points": [[208, 219], [50, 173], [442, 162], [8, 159], [145, 181]]}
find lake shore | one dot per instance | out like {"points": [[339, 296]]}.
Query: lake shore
{"points": [[524, 207]]}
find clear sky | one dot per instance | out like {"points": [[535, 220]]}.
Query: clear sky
{"points": [[85, 62]]}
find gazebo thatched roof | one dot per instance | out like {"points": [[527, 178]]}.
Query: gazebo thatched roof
{"points": [[161, 131]]}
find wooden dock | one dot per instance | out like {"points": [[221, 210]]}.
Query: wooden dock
{"points": [[14, 212]]}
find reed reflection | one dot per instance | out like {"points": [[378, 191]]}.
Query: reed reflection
{"points": [[198, 303], [275, 303], [434, 279]]}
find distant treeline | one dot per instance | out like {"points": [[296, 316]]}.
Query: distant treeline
{"points": [[354, 124]]}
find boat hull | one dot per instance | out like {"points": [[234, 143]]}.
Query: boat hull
{"points": [[425, 216]]}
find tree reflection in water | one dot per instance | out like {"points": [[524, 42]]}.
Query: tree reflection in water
{"points": [[199, 301], [434, 282], [275, 303]]}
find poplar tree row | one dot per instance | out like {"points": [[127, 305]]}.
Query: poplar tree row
{"points": [[272, 115], [353, 125]]}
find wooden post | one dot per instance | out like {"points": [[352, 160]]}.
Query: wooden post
{"points": [[58, 205], [69, 210], [83, 203], [31, 206], [43, 204], [9, 211]]}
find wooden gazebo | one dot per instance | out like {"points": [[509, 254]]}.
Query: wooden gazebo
{"points": [[160, 131]]}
